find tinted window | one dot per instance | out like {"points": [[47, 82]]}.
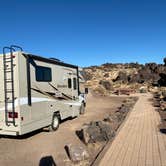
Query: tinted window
{"points": [[43, 74], [74, 83], [69, 82]]}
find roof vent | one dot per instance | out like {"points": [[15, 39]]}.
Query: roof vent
{"points": [[55, 59]]}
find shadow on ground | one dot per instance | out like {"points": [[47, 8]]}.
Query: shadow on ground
{"points": [[33, 133], [47, 161]]}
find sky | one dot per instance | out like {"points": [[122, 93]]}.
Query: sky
{"points": [[86, 32]]}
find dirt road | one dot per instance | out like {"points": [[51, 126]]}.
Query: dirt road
{"points": [[42, 146]]}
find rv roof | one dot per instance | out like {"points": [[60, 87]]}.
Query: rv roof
{"points": [[39, 58]]}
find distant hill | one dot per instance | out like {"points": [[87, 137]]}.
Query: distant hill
{"points": [[109, 77]]}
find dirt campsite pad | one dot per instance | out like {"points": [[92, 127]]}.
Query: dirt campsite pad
{"points": [[43, 147]]}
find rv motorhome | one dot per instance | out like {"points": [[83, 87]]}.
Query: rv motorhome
{"points": [[36, 92]]}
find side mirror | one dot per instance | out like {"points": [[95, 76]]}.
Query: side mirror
{"points": [[86, 90]]}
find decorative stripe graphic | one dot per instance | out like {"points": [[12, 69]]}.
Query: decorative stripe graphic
{"points": [[23, 101]]}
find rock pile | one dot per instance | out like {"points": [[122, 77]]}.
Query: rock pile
{"points": [[109, 77], [160, 102], [96, 134], [116, 118], [102, 131]]}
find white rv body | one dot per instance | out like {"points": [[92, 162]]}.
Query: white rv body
{"points": [[42, 88]]}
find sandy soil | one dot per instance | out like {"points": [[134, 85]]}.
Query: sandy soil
{"points": [[41, 147]]}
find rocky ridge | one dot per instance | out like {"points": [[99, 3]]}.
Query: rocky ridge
{"points": [[108, 78]]}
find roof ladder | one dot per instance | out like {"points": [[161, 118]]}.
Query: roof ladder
{"points": [[9, 85]]}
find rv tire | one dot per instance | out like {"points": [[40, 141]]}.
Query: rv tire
{"points": [[55, 123]]}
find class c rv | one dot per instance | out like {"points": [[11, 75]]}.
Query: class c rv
{"points": [[36, 92]]}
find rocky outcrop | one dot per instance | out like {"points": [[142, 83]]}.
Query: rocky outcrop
{"points": [[109, 77], [106, 84]]}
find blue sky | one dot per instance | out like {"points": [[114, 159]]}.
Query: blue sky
{"points": [[87, 32]]}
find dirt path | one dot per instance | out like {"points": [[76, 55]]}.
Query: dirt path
{"points": [[33, 149], [139, 141]]}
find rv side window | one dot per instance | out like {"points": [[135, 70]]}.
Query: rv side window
{"points": [[43, 74], [69, 82], [74, 83]]}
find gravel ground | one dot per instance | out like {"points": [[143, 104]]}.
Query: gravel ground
{"points": [[43, 147]]}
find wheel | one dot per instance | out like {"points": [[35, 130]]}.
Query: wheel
{"points": [[55, 123], [82, 108]]}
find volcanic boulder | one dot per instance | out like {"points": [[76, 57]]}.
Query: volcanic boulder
{"points": [[77, 153], [106, 84], [98, 131]]}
